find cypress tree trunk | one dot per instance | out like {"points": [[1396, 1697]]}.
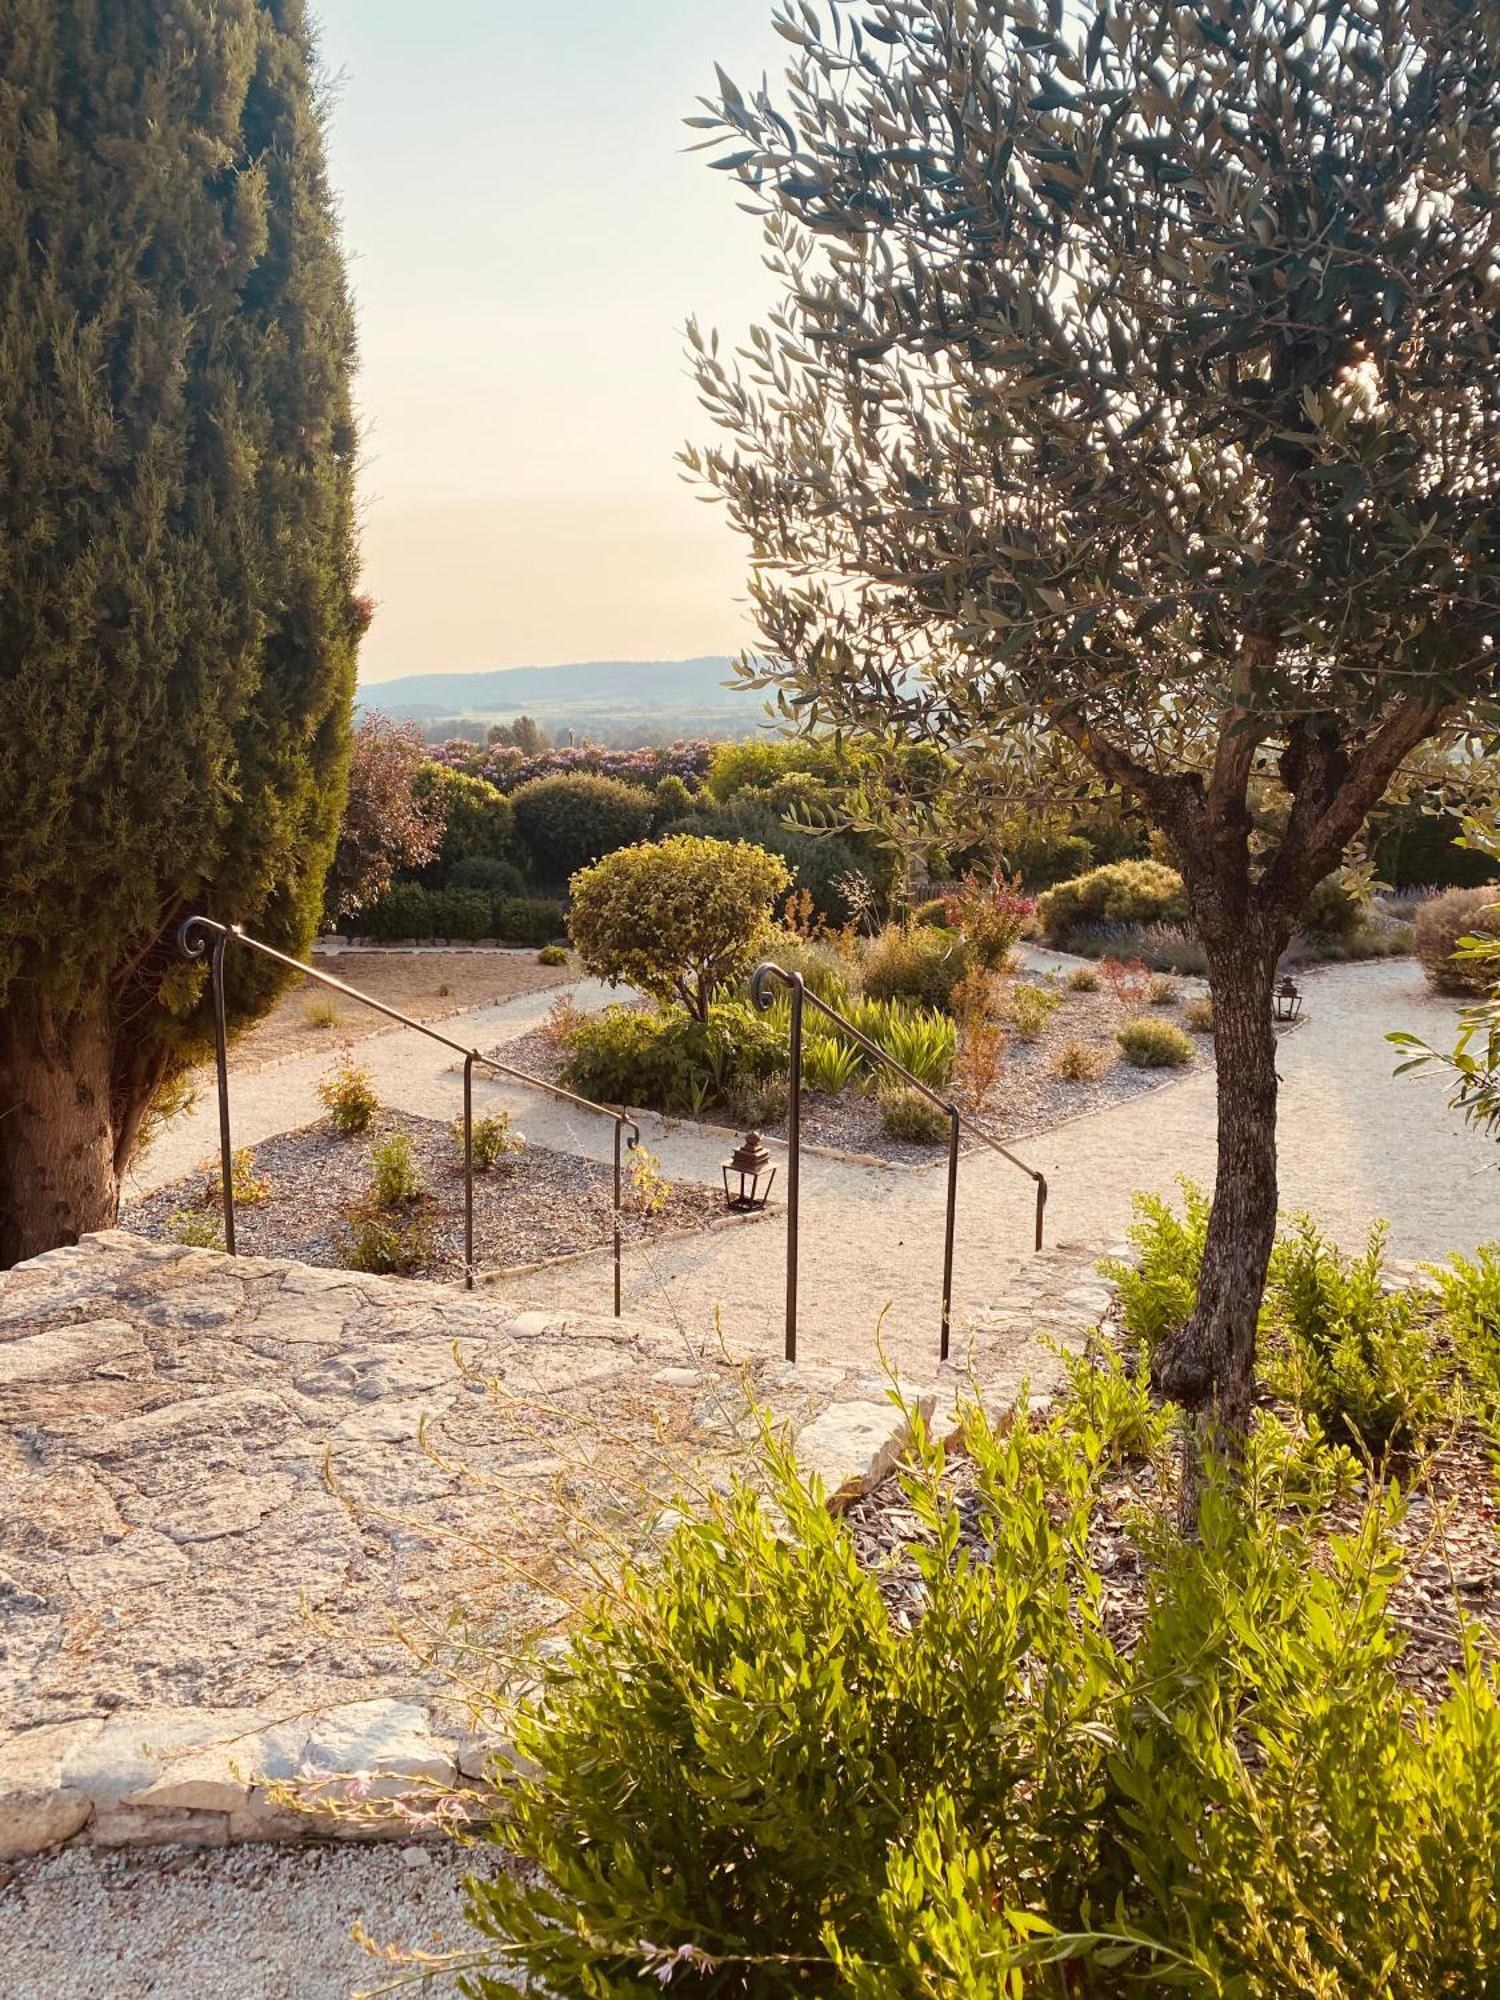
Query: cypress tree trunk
{"points": [[57, 1144], [1210, 1367]]}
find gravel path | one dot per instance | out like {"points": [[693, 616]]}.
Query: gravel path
{"points": [[258, 1923], [1357, 1145]]}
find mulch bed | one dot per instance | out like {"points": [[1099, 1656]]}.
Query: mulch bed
{"points": [[541, 1205], [1028, 1098], [1449, 1538]]}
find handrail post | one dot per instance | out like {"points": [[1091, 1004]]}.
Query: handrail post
{"points": [[221, 1064], [793, 1166], [619, 1135], [1041, 1206], [469, 1170], [949, 1233]]}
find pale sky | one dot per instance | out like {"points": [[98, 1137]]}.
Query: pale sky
{"points": [[527, 237]]}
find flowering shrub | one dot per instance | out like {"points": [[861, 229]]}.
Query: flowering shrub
{"points": [[990, 915], [510, 769]]}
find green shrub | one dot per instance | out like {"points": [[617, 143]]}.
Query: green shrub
{"points": [[820, 864], [495, 877], [1198, 1012], [680, 919], [906, 1115], [1469, 1289], [197, 1228], [670, 801], [404, 911], [1122, 892], [495, 1144], [1440, 925], [465, 914], [530, 920], [825, 969], [387, 1242], [922, 1040], [934, 912], [915, 962], [1158, 1287], [1083, 979], [1350, 1353], [553, 954], [745, 1777], [348, 1096], [477, 821], [1148, 1044], [671, 1062], [1336, 909], [567, 822], [759, 763], [1040, 856], [1030, 1008], [250, 1189], [395, 1177]]}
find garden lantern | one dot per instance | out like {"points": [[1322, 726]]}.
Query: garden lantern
{"points": [[1288, 1000], [747, 1185]]}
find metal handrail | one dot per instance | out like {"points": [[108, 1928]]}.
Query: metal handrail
{"points": [[193, 935], [764, 998]]}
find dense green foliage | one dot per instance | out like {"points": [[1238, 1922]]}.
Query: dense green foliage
{"points": [[746, 1777], [680, 919], [565, 823], [178, 618], [673, 1061], [409, 911], [476, 818], [1122, 892], [915, 962]]}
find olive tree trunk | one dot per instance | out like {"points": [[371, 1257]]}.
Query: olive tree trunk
{"points": [[59, 1176], [1209, 1367]]}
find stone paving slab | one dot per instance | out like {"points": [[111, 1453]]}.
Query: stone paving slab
{"points": [[255, 1513]]}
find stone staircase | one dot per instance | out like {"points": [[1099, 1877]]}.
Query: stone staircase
{"points": [[260, 1519]]}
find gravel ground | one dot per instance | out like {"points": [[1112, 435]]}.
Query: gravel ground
{"points": [[430, 985], [255, 1923], [542, 1205], [1028, 1095]]}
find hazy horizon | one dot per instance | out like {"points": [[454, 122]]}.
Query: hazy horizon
{"points": [[526, 236]]}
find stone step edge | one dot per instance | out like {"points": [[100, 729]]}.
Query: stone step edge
{"points": [[378, 1769]]}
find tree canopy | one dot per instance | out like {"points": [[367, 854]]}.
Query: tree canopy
{"points": [[178, 609]]}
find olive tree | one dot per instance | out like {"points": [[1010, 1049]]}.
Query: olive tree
{"points": [[1134, 387], [178, 611]]}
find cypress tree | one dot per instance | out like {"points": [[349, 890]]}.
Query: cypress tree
{"points": [[178, 618]]}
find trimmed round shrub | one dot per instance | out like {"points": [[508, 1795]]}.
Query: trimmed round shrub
{"points": [[1154, 1044], [680, 919], [552, 954], [915, 962], [532, 920], [1439, 926], [568, 822], [672, 1062], [476, 819], [670, 800], [1124, 892], [487, 872]]}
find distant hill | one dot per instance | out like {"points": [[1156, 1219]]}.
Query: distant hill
{"points": [[606, 699]]}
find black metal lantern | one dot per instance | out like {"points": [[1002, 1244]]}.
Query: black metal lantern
{"points": [[1288, 998], [747, 1185]]}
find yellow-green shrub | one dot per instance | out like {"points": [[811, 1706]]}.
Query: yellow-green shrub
{"points": [[680, 919], [1122, 892]]}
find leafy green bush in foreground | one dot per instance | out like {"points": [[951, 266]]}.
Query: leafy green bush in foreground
{"points": [[745, 1779]]}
